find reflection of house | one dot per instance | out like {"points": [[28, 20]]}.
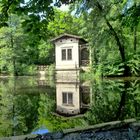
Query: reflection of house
{"points": [[71, 99], [71, 54], [67, 99]]}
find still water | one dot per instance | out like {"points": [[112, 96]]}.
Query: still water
{"points": [[28, 103]]}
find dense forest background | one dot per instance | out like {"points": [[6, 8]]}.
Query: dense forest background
{"points": [[110, 26]]}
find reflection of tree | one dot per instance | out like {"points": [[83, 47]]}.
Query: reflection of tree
{"points": [[46, 106], [130, 100], [114, 100], [26, 110], [133, 99], [111, 100], [51, 121], [18, 113], [21, 113], [122, 103]]}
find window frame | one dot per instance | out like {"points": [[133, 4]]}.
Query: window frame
{"points": [[66, 54], [67, 98]]}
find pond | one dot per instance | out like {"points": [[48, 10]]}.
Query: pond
{"points": [[28, 104]]}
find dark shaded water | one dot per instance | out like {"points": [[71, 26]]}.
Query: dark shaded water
{"points": [[27, 103]]}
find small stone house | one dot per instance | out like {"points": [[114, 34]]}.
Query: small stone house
{"points": [[71, 53]]}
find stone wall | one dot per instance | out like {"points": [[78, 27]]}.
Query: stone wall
{"points": [[117, 130]]}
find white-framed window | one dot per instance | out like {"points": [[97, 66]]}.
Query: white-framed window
{"points": [[66, 54], [67, 98]]}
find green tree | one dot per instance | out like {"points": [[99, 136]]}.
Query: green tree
{"points": [[113, 100], [63, 22], [14, 46], [19, 106], [103, 24], [111, 39]]}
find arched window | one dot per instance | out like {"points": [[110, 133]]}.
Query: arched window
{"points": [[84, 54], [84, 57]]}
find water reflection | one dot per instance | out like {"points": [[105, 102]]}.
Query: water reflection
{"points": [[28, 103], [19, 104], [72, 98]]}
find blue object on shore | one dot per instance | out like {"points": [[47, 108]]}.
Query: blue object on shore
{"points": [[40, 131]]}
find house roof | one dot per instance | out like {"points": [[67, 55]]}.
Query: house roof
{"points": [[68, 35]]}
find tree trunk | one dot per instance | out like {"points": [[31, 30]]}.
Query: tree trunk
{"points": [[121, 47], [135, 38], [95, 56], [135, 32], [13, 59], [117, 39], [122, 101]]}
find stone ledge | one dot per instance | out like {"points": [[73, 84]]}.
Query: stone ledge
{"points": [[22, 137], [103, 126], [116, 130]]}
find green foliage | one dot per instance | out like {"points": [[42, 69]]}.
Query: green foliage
{"points": [[15, 118], [112, 31], [114, 99], [87, 75], [114, 69], [25, 107], [63, 23], [14, 48], [134, 64], [111, 28], [20, 101], [46, 53], [21, 50], [24, 69], [51, 70]]}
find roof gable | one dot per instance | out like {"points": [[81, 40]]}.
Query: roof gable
{"points": [[68, 36]]}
